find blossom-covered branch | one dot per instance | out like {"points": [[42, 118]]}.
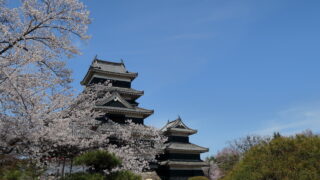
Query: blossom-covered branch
{"points": [[35, 41]]}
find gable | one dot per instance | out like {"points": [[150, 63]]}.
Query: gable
{"points": [[115, 100], [114, 103], [179, 124]]}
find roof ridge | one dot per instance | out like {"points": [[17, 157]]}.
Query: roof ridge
{"points": [[107, 62]]}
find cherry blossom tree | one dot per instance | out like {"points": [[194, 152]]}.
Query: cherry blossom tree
{"points": [[35, 40], [82, 128], [135, 144], [39, 116], [221, 163], [214, 172]]}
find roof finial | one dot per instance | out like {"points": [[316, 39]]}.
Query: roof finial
{"points": [[94, 59], [179, 118], [122, 62]]}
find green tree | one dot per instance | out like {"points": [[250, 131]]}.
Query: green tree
{"points": [[123, 175], [283, 158], [198, 178], [98, 160], [12, 168], [226, 159], [84, 176]]}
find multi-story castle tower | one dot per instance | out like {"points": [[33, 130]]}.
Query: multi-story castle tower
{"points": [[121, 105], [181, 158]]}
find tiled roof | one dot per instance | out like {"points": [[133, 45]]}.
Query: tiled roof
{"points": [[134, 110], [184, 163], [109, 66], [129, 91], [185, 147], [178, 126]]}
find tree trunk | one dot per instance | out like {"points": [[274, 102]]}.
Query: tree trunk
{"points": [[63, 165], [58, 170], [71, 163]]}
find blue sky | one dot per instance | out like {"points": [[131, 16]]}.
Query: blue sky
{"points": [[229, 68]]}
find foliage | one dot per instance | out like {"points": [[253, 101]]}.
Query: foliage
{"points": [[12, 168], [101, 163], [123, 175], [242, 145], [12, 175], [287, 158], [224, 161], [99, 160], [84, 176], [119, 175], [198, 178]]}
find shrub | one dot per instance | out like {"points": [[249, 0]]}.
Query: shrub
{"points": [[12, 168], [286, 158], [12, 175], [99, 160], [198, 178], [84, 176], [123, 175], [120, 175], [226, 159]]}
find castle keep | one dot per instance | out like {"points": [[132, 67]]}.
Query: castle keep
{"points": [[181, 159], [121, 105]]}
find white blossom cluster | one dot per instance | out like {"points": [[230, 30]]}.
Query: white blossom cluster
{"points": [[39, 116], [35, 38], [135, 144]]}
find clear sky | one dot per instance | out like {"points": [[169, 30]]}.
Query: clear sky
{"points": [[229, 68]]}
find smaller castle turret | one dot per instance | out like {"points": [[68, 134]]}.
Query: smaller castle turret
{"points": [[181, 158]]}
